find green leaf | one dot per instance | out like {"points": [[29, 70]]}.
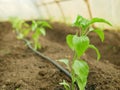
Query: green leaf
{"points": [[100, 20], [34, 25], [17, 89], [100, 33], [81, 70], [46, 24], [26, 32], [26, 24], [36, 35], [43, 32], [69, 41], [43, 24], [81, 84], [66, 85], [97, 51], [20, 36], [65, 61], [16, 22], [81, 22], [80, 44], [37, 45]]}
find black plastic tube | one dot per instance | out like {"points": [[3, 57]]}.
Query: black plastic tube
{"points": [[47, 58]]}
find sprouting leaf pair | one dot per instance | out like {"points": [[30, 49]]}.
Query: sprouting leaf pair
{"points": [[86, 26]]}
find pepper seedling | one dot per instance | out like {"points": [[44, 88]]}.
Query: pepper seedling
{"points": [[23, 30], [20, 26], [38, 28], [79, 43]]}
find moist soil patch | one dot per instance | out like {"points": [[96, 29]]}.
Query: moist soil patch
{"points": [[22, 69]]}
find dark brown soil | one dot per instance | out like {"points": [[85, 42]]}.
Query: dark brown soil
{"points": [[22, 69]]}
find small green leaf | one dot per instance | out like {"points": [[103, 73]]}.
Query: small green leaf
{"points": [[81, 22], [16, 22], [35, 35], [65, 84], [81, 84], [43, 32], [26, 32], [97, 51], [100, 33], [100, 20], [37, 45], [34, 25], [65, 61], [80, 44], [46, 24], [25, 25], [20, 36], [17, 89], [43, 24], [81, 70], [69, 39]]}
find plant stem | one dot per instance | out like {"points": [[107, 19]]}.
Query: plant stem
{"points": [[72, 72], [74, 58]]}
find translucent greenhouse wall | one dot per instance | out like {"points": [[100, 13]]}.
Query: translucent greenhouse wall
{"points": [[63, 10], [25, 9]]}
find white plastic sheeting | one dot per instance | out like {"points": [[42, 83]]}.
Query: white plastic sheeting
{"points": [[108, 9], [22, 8], [65, 10]]}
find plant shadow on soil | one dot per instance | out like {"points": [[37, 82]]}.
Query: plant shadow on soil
{"points": [[22, 69]]}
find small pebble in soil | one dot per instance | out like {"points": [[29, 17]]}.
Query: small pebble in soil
{"points": [[8, 81], [42, 72], [3, 87]]}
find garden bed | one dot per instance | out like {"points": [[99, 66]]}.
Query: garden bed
{"points": [[22, 69]]}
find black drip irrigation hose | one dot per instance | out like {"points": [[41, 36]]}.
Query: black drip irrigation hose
{"points": [[47, 58]]}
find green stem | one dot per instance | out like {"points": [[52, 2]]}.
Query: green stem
{"points": [[74, 58], [81, 32], [84, 32], [87, 33], [72, 71]]}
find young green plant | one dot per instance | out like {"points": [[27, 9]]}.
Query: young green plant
{"points": [[38, 28], [20, 26], [23, 30], [79, 43]]}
